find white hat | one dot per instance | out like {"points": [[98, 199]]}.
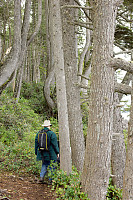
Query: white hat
{"points": [[46, 123]]}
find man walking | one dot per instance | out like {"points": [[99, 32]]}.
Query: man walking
{"points": [[53, 150]]}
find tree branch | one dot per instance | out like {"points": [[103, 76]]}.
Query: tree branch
{"points": [[122, 52], [126, 80], [83, 25], [83, 10], [84, 77], [125, 18], [122, 88], [75, 6], [118, 63]]}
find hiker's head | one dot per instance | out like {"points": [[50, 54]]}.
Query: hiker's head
{"points": [[47, 123]]}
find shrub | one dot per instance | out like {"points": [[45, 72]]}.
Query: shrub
{"points": [[113, 193], [67, 187]]}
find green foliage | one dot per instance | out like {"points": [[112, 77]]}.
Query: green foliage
{"points": [[34, 93], [67, 186], [18, 125], [19, 157], [16, 119], [113, 193]]}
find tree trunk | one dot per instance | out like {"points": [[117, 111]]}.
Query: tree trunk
{"points": [[118, 156], [73, 92], [50, 61], [7, 69], [65, 154], [128, 174], [96, 171]]}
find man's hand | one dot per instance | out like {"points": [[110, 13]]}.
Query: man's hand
{"points": [[57, 155]]}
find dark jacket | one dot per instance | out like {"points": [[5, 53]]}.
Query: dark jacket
{"points": [[53, 148]]}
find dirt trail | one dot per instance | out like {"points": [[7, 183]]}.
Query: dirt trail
{"points": [[23, 188]]}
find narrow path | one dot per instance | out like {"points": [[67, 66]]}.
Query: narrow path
{"points": [[23, 188]]}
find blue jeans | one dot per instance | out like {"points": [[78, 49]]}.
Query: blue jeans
{"points": [[45, 165]]}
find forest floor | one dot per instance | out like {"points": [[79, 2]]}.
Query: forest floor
{"points": [[13, 187]]}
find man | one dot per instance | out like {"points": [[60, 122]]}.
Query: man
{"points": [[46, 156]]}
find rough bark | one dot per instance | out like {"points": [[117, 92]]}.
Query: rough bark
{"points": [[96, 171], [73, 92], [118, 156], [65, 154]]}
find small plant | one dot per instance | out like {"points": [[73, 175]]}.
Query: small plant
{"points": [[66, 186], [113, 193]]}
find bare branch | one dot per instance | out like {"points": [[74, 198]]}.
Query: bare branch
{"points": [[122, 52], [84, 77], [125, 18], [75, 6], [83, 25], [83, 10], [118, 63], [126, 80], [122, 88]]}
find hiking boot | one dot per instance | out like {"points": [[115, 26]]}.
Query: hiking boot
{"points": [[41, 180], [49, 182]]}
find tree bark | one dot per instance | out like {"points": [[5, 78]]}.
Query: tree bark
{"points": [[73, 92], [118, 156], [96, 171], [65, 154]]}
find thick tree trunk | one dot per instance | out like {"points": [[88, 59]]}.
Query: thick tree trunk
{"points": [[65, 154], [96, 171], [118, 156], [73, 92]]}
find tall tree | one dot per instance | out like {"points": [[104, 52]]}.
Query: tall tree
{"points": [[73, 92], [25, 44], [65, 154], [96, 169]]}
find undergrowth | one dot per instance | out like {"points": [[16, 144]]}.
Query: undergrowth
{"points": [[18, 127]]}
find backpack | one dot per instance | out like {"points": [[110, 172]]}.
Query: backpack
{"points": [[43, 140]]}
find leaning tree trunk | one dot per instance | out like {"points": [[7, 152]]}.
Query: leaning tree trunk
{"points": [[96, 171], [8, 67], [65, 154], [73, 92], [118, 156], [50, 61]]}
